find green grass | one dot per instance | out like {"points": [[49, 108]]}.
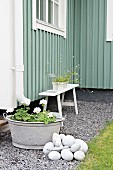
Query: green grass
{"points": [[100, 154]]}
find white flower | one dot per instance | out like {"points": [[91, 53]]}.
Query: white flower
{"points": [[44, 102], [26, 102], [50, 114], [9, 110], [36, 110]]}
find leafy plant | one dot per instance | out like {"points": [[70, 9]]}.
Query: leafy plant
{"points": [[37, 116], [66, 77]]}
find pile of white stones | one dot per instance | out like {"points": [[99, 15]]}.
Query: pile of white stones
{"points": [[65, 147]]}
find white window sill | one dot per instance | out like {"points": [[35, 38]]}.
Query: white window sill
{"points": [[50, 28]]}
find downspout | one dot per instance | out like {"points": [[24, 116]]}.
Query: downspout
{"points": [[19, 67]]}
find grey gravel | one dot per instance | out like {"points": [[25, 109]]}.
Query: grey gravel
{"points": [[95, 109]]}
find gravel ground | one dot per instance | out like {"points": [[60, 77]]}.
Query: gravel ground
{"points": [[95, 108]]}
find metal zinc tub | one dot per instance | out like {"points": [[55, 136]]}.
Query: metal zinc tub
{"points": [[32, 135]]}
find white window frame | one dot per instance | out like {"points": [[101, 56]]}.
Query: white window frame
{"points": [[39, 24], [109, 36]]}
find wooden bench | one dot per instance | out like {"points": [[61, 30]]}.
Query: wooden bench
{"points": [[60, 99]]}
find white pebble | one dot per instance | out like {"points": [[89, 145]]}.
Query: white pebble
{"points": [[54, 155], [62, 136], [56, 139], [75, 147], [67, 155], [79, 155], [57, 142], [68, 140], [55, 135], [48, 147], [84, 146]]}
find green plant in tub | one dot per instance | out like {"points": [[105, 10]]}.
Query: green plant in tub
{"points": [[37, 115]]}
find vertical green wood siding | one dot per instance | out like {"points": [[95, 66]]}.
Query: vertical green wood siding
{"points": [[85, 44], [91, 50], [44, 52]]}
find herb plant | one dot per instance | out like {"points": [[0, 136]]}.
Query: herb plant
{"points": [[66, 77]]}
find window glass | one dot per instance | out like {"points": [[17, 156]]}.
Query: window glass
{"points": [[50, 12], [57, 1], [52, 8], [56, 14], [43, 10], [37, 9]]}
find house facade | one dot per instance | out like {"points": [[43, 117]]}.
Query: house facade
{"points": [[57, 35]]}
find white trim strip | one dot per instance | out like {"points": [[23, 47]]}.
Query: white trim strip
{"points": [[34, 14], [39, 9], [109, 34], [53, 11], [49, 28], [47, 11]]}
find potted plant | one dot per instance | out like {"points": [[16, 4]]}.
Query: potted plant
{"points": [[60, 82], [32, 131]]}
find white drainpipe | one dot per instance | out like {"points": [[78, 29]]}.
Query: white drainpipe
{"points": [[19, 51]]}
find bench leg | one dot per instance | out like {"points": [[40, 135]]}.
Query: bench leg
{"points": [[45, 106], [63, 97], [75, 101], [59, 107]]}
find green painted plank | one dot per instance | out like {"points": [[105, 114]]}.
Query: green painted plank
{"points": [[40, 80], [33, 66], [94, 43], [37, 65], [25, 52], [29, 75], [111, 67]]}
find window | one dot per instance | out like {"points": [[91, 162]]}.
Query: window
{"points": [[50, 15], [109, 20], [48, 11]]}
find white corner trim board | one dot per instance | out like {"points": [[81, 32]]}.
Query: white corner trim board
{"points": [[7, 75]]}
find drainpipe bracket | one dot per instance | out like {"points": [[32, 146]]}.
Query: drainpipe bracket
{"points": [[12, 68], [20, 68]]}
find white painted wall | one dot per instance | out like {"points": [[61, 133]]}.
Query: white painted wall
{"points": [[7, 61]]}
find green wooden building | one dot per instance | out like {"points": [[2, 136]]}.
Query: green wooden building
{"points": [[58, 35], [85, 44]]}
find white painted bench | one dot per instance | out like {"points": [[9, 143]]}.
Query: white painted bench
{"points": [[60, 100]]}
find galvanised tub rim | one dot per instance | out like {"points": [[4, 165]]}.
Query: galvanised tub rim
{"points": [[8, 118]]}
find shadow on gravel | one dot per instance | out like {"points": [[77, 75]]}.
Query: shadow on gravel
{"points": [[93, 95], [85, 95]]}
